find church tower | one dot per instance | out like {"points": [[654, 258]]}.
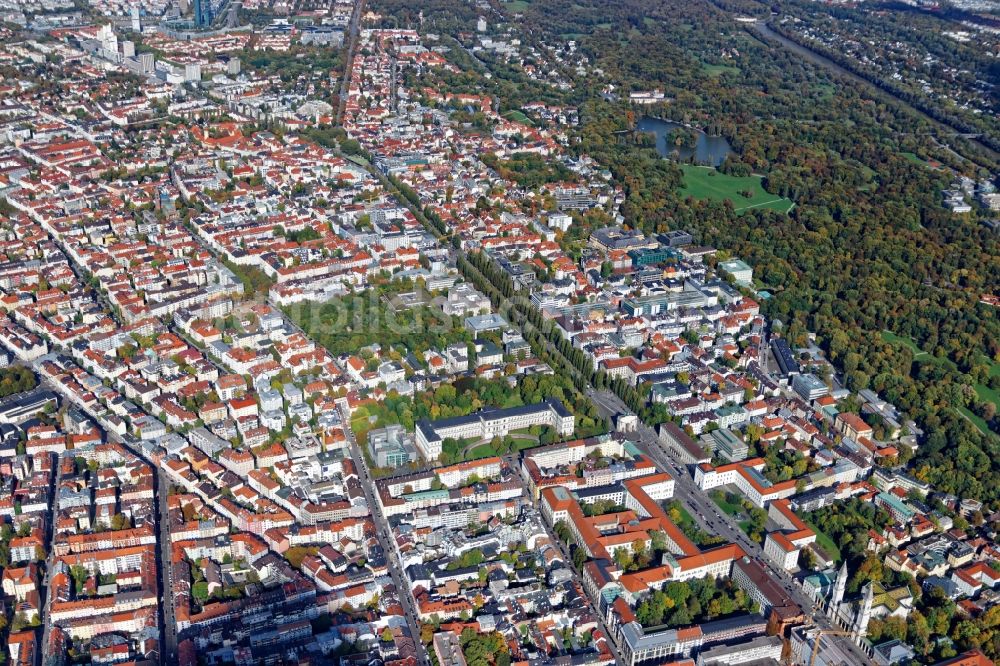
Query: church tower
{"points": [[837, 597], [864, 611]]}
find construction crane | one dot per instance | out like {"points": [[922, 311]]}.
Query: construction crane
{"points": [[817, 637]]}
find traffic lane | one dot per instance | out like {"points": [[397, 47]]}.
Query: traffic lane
{"points": [[383, 535]]}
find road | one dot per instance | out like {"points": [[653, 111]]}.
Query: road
{"points": [[166, 570], [579, 581], [388, 544], [161, 487], [714, 521], [50, 559], [353, 32], [166, 615]]}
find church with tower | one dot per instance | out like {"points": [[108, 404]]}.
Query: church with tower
{"points": [[851, 616]]}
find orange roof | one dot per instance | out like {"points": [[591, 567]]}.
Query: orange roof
{"points": [[854, 422], [970, 658]]}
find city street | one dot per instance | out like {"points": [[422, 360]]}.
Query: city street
{"points": [[388, 544], [579, 581], [166, 571], [160, 486], [49, 562], [351, 43]]}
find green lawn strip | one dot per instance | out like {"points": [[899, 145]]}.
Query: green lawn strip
{"points": [[686, 517], [919, 354], [720, 499], [524, 444], [912, 157], [986, 393], [825, 542], [716, 70], [892, 338], [977, 421]]}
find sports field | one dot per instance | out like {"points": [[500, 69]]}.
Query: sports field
{"points": [[707, 183]]}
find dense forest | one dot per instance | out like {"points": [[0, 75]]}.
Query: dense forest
{"points": [[16, 379], [910, 51]]}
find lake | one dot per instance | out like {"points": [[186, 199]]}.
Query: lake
{"points": [[710, 150]]}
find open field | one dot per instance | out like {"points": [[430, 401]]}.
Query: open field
{"points": [[707, 183], [986, 393], [517, 6], [976, 420], [518, 117], [716, 70], [892, 338]]}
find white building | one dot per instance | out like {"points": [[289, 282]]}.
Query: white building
{"points": [[490, 423]]}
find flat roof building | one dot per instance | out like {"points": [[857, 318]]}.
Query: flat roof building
{"points": [[448, 649], [740, 270], [391, 446], [810, 387], [784, 357]]}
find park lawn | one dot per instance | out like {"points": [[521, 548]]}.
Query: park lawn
{"points": [[707, 183], [893, 339], [720, 499], [517, 6], [518, 117], [977, 421], [826, 543], [486, 449], [481, 451], [828, 90], [912, 157], [919, 354], [986, 393], [524, 444], [716, 70]]}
